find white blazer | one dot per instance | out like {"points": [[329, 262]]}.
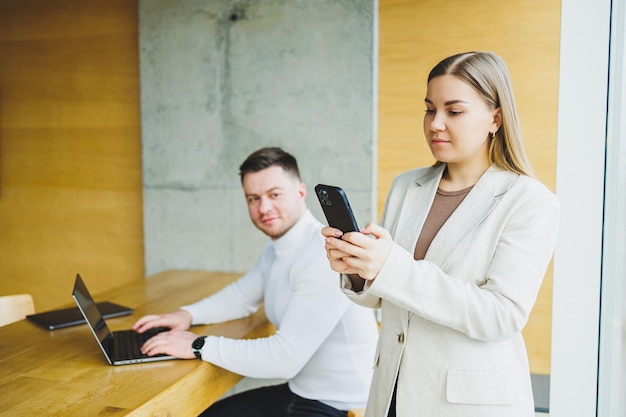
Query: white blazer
{"points": [[451, 323]]}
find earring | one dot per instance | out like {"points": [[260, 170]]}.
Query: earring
{"points": [[493, 134]]}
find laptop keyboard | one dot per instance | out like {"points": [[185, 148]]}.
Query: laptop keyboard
{"points": [[127, 344]]}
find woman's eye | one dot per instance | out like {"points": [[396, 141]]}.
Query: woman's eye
{"points": [[429, 111], [454, 112]]}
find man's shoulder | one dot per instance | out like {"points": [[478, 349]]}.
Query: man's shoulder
{"points": [[311, 250], [313, 241]]}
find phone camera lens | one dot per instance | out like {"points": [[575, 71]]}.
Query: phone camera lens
{"points": [[324, 198]]}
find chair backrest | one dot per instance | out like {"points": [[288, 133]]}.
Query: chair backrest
{"points": [[15, 307]]}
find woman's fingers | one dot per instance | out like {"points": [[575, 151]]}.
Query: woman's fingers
{"points": [[362, 253]]}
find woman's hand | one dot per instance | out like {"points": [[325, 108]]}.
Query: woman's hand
{"points": [[355, 253]]}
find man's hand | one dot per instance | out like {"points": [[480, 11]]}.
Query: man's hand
{"points": [[175, 342], [177, 320]]}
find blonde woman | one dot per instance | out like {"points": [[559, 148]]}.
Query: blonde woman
{"points": [[459, 258]]}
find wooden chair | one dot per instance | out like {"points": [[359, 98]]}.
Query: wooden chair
{"points": [[15, 307], [356, 412]]}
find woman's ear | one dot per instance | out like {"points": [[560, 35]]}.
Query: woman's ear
{"points": [[497, 120]]}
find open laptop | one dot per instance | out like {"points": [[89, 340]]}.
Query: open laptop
{"points": [[121, 347]]}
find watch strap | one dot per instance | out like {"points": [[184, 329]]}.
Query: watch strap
{"points": [[197, 346]]}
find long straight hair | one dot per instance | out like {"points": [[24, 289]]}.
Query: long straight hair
{"points": [[488, 74]]}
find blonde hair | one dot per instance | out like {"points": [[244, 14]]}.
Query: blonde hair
{"points": [[487, 73]]}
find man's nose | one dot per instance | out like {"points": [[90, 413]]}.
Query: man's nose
{"points": [[266, 205]]}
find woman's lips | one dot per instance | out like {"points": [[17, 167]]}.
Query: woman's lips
{"points": [[437, 141]]}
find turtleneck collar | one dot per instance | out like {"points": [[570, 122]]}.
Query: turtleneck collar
{"points": [[291, 240]]}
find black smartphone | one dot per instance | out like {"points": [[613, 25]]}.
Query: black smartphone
{"points": [[336, 208]]}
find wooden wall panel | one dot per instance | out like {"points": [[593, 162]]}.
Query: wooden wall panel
{"points": [[414, 36], [70, 147]]}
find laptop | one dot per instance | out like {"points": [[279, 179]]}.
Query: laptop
{"points": [[121, 347]]}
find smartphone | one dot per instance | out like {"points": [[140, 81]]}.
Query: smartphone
{"points": [[336, 208]]}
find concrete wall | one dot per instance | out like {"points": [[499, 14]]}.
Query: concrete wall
{"points": [[220, 79]]}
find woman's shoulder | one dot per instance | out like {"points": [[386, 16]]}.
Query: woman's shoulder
{"points": [[533, 185], [526, 188], [507, 180]]}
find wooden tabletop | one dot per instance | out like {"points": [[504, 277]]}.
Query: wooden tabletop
{"points": [[64, 373]]}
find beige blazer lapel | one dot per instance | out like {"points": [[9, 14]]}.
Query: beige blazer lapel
{"points": [[470, 214], [415, 208]]}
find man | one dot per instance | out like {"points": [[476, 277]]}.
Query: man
{"points": [[324, 345]]}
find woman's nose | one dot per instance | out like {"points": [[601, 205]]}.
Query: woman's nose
{"points": [[437, 124]]}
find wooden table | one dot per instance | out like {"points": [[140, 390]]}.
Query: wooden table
{"points": [[64, 373]]}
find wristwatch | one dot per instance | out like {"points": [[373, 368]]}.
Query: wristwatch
{"points": [[197, 346]]}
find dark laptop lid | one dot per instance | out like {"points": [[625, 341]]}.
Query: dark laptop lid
{"points": [[94, 318], [104, 336]]}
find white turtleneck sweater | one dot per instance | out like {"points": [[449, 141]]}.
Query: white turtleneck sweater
{"points": [[324, 344]]}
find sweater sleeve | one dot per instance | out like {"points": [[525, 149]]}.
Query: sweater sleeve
{"points": [[237, 300], [315, 307]]}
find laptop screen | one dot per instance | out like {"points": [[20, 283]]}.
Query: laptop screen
{"points": [[90, 310]]}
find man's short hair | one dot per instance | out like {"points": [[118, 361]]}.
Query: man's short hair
{"points": [[266, 157]]}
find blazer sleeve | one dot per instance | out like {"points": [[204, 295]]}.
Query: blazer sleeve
{"points": [[489, 285], [389, 220]]}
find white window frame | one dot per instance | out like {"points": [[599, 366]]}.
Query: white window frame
{"points": [[590, 250]]}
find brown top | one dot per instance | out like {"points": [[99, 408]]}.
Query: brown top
{"points": [[443, 206]]}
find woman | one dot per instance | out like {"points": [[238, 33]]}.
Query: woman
{"points": [[459, 258]]}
